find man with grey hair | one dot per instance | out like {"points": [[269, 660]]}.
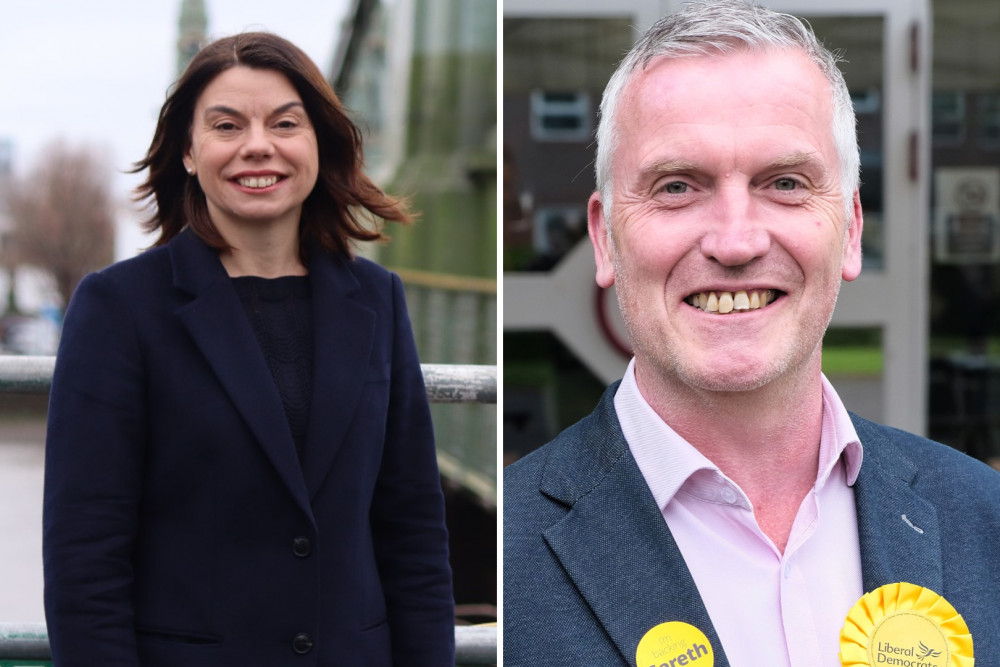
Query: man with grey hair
{"points": [[720, 504]]}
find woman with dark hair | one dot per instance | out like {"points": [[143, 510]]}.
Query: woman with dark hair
{"points": [[240, 466]]}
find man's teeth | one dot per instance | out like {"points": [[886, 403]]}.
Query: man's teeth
{"points": [[724, 303], [257, 181]]}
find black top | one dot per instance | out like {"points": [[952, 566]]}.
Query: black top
{"points": [[280, 310]]}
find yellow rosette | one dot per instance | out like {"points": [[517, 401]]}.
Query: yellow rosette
{"points": [[903, 625]]}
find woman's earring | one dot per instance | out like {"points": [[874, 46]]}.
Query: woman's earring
{"points": [[190, 171]]}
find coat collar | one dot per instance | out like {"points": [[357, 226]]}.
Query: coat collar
{"points": [[342, 334], [615, 546]]}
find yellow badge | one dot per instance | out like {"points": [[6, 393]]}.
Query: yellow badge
{"points": [[674, 644], [903, 625]]}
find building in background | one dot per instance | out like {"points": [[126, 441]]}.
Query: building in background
{"points": [[192, 29], [419, 77], [915, 342], [192, 34]]}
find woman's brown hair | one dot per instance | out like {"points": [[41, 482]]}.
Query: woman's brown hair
{"points": [[330, 212]]}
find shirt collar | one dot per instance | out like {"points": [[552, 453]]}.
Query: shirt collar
{"points": [[838, 438], [668, 462]]}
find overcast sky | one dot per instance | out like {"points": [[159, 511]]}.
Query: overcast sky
{"points": [[96, 72]]}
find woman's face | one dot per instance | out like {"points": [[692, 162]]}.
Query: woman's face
{"points": [[253, 150]]}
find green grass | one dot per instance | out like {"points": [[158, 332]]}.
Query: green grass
{"points": [[852, 360], [853, 351]]}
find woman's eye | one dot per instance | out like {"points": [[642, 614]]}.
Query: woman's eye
{"points": [[225, 127], [785, 184], [675, 188]]}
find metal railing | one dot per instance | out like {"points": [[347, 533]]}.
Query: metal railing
{"points": [[446, 383], [454, 321], [474, 645]]}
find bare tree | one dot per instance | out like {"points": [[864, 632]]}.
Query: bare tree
{"points": [[62, 215]]}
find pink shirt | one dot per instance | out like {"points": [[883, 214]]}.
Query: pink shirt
{"points": [[768, 608]]}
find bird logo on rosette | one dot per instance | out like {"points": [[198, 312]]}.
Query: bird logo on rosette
{"points": [[926, 652]]}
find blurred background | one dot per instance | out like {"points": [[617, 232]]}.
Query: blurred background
{"points": [[81, 89], [915, 341]]}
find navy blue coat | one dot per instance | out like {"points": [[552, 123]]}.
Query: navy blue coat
{"points": [[590, 565], [180, 527]]}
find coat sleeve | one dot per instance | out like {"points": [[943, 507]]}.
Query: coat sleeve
{"points": [[408, 522], [93, 463]]}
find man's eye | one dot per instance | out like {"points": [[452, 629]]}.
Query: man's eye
{"points": [[675, 188], [785, 184]]}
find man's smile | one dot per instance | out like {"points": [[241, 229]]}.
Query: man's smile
{"points": [[722, 303]]}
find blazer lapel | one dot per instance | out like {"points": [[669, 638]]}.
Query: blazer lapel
{"points": [[219, 326], [343, 334], [897, 529], [613, 541]]}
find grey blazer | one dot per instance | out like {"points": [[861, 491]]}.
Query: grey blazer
{"points": [[590, 565]]}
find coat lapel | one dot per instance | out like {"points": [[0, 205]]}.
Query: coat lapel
{"points": [[219, 327], [897, 529], [342, 345], [613, 541]]}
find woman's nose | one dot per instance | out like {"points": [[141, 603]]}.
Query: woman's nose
{"points": [[257, 142]]}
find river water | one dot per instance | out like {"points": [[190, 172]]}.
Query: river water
{"points": [[22, 455]]}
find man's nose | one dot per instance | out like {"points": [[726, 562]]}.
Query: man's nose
{"points": [[736, 234]]}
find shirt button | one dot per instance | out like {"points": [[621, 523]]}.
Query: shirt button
{"points": [[302, 643], [788, 570], [301, 547], [728, 495]]}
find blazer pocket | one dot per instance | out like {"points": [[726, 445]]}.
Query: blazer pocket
{"points": [[191, 638], [377, 371]]}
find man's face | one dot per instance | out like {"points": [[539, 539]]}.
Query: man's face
{"points": [[726, 183]]}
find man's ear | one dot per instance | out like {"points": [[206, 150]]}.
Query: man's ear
{"points": [[600, 237], [852, 243]]}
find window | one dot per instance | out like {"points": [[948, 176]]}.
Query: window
{"points": [[560, 116], [948, 118], [867, 101], [556, 230], [989, 120]]}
